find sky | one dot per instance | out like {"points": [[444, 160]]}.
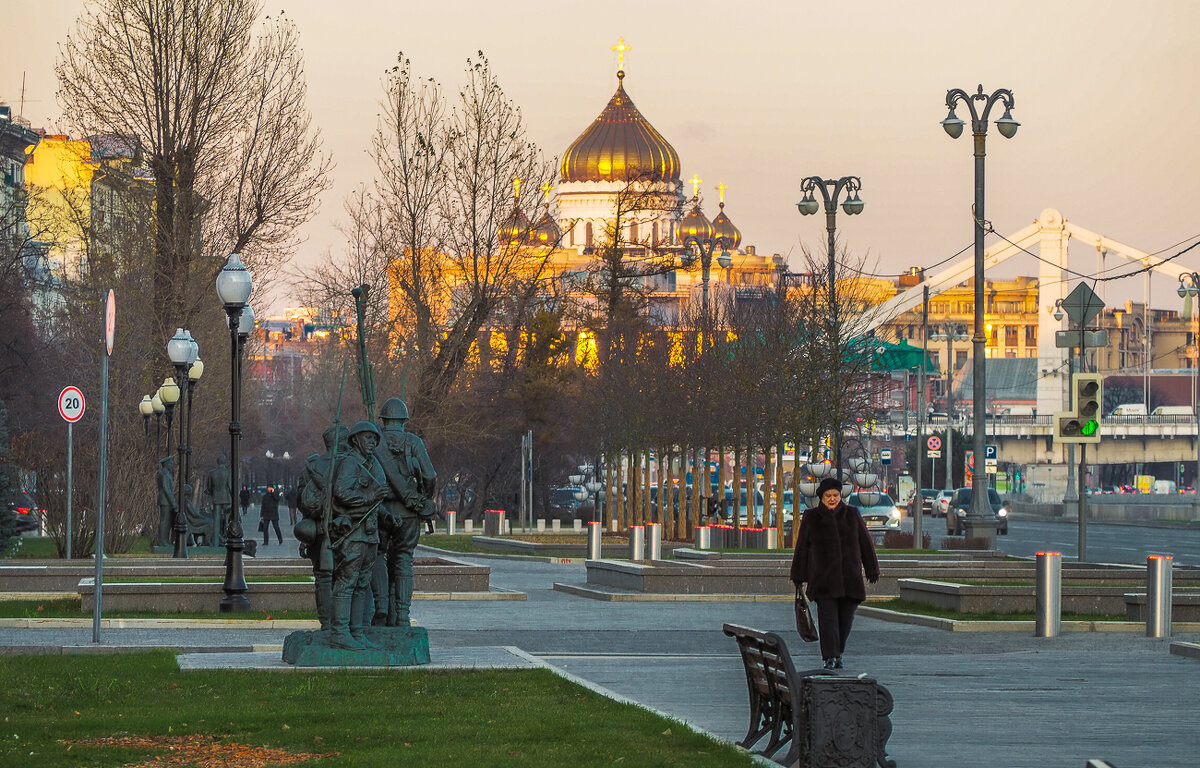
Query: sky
{"points": [[761, 96]]}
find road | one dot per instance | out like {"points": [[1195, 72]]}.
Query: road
{"points": [[1106, 543]]}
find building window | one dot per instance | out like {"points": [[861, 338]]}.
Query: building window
{"points": [[1010, 335], [654, 233], [588, 234], [1031, 335], [633, 232]]}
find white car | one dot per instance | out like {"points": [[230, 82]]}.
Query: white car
{"points": [[941, 503]]}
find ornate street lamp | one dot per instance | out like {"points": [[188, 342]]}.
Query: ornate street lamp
{"points": [[700, 237], [830, 190], [233, 290], [980, 520], [157, 403], [168, 395], [146, 408], [182, 351]]}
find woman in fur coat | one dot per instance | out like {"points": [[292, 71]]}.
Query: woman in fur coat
{"points": [[833, 549]]}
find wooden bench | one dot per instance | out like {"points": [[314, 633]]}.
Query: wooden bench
{"points": [[818, 712]]}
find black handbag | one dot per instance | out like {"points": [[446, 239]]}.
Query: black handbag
{"points": [[804, 620]]}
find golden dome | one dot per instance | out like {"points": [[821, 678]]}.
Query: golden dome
{"points": [[723, 228], [620, 145]]}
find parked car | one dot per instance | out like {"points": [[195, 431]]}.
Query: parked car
{"points": [[563, 504], [941, 503], [25, 508], [961, 502], [882, 516]]}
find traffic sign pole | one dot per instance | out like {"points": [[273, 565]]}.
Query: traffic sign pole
{"points": [[71, 406]]}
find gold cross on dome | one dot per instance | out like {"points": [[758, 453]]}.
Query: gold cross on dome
{"points": [[620, 48], [517, 187], [696, 185], [721, 190], [546, 189]]}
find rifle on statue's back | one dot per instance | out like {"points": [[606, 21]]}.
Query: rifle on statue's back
{"points": [[366, 372], [324, 553]]}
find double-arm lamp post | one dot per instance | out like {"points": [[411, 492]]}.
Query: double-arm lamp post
{"points": [[233, 290], [830, 190], [980, 520], [1189, 285], [701, 237]]}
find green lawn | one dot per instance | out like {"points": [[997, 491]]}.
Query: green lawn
{"points": [[911, 606], [54, 705], [69, 609]]}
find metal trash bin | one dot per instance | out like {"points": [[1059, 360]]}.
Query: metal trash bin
{"points": [[654, 541], [1048, 595], [637, 542], [595, 530], [1158, 596]]}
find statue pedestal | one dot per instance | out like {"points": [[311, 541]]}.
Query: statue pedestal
{"points": [[396, 647]]}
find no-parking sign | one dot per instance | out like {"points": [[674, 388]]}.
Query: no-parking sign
{"points": [[71, 404], [934, 443]]}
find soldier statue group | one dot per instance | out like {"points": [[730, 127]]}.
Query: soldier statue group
{"points": [[362, 503]]}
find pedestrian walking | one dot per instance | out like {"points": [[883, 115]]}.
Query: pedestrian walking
{"points": [[269, 514], [833, 549], [292, 495], [244, 499]]}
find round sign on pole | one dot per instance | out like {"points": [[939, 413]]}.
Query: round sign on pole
{"points": [[934, 443], [110, 321], [71, 404]]}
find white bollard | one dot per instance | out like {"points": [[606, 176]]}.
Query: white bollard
{"points": [[468, 525], [556, 525], [451, 518], [577, 525], [541, 525]]}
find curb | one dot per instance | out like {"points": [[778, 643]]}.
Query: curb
{"points": [[642, 597], [1187, 650]]}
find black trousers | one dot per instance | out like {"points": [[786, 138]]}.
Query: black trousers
{"points": [[834, 617], [267, 531]]}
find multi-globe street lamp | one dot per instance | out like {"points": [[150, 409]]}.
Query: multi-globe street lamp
{"points": [[233, 290], [980, 519], [1189, 285], [182, 350], [194, 373], [831, 190], [699, 238]]}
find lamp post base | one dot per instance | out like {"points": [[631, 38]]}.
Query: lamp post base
{"points": [[981, 529], [235, 600]]}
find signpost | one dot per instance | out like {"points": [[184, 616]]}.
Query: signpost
{"points": [[110, 329], [71, 406]]}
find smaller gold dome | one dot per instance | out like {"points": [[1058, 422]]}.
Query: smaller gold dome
{"points": [[724, 230], [516, 229]]}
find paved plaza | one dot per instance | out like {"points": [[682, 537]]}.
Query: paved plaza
{"points": [[961, 698]]}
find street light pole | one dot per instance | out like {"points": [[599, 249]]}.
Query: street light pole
{"points": [[233, 289], [980, 519], [1189, 286], [182, 351], [830, 190]]}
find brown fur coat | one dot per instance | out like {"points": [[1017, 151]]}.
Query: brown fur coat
{"points": [[832, 551]]}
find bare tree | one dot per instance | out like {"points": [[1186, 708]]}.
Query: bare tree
{"points": [[222, 121]]}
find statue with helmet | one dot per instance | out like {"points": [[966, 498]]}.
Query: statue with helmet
{"points": [[411, 483], [313, 497], [359, 487]]}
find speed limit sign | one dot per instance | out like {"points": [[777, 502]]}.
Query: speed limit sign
{"points": [[71, 404]]}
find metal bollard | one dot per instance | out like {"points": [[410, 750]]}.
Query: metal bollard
{"points": [[1158, 596], [451, 521], [468, 525], [703, 537], [493, 522], [637, 542], [1048, 598], [772, 538], [654, 541], [595, 530], [541, 525]]}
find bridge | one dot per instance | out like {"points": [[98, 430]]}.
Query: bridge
{"points": [[1125, 439]]}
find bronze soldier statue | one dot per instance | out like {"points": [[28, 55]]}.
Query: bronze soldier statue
{"points": [[412, 481], [359, 486], [217, 485], [166, 501], [310, 530]]}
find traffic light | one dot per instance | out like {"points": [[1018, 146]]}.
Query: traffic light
{"points": [[1082, 423]]}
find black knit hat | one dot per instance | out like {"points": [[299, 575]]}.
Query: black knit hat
{"points": [[828, 484]]}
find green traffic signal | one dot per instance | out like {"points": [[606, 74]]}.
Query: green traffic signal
{"points": [[1089, 427]]}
